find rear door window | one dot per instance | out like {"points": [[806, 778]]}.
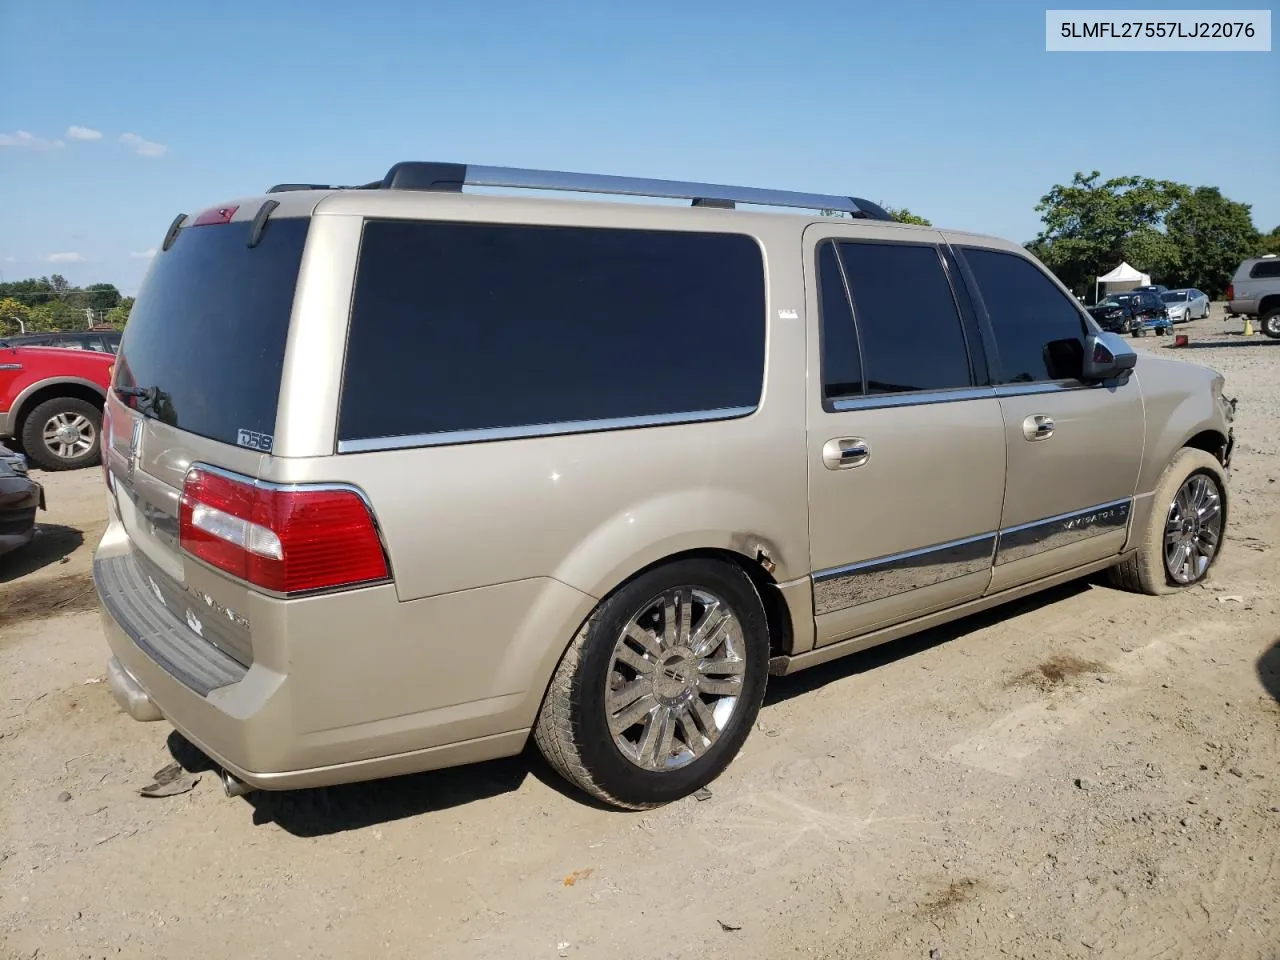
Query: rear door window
{"points": [[1038, 331], [908, 326], [208, 329], [471, 331]]}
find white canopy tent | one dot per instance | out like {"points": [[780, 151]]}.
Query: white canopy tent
{"points": [[1123, 277]]}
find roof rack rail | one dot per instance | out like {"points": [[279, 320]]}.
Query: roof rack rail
{"points": [[452, 177]]}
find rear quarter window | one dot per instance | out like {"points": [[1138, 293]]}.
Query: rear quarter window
{"points": [[1265, 269], [465, 331]]}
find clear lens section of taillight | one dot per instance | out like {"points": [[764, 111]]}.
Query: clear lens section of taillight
{"points": [[287, 540]]}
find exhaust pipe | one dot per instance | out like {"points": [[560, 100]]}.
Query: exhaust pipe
{"points": [[233, 786]]}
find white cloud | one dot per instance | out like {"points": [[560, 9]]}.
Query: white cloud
{"points": [[83, 133], [21, 138], [144, 148], [64, 258], [144, 254], [10, 259]]}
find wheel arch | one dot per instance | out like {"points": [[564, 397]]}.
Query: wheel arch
{"points": [[788, 614], [778, 614], [1212, 441], [38, 393]]}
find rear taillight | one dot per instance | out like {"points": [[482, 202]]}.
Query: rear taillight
{"points": [[1231, 291], [283, 539]]}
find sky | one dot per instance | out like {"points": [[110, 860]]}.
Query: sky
{"points": [[115, 117]]}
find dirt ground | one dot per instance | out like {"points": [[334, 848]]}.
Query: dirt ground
{"points": [[1086, 774]]}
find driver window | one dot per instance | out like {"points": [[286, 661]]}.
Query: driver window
{"points": [[1039, 333]]}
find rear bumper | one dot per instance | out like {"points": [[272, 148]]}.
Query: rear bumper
{"points": [[438, 682], [1249, 307]]}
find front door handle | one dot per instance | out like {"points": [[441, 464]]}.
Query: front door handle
{"points": [[845, 452], [1038, 427]]}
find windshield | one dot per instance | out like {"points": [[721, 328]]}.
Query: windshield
{"points": [[1176, 296], [205, 341], [1113, 302]]}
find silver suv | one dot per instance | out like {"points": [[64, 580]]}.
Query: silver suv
{"points": [[1255, 292], [401, 476]]}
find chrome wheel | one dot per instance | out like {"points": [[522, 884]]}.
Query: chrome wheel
{"points": [[68, 435], [1193, 529], [675, 678]]}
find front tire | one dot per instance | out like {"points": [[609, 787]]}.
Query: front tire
{"points": [[64, 433], [1185, 531], [659, 689]]}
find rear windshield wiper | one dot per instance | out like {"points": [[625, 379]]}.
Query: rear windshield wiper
{"points": [[144, 395]]}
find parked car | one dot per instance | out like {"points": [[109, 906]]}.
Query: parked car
{"points": [[20, 497], [1186, 305], [1119, 313], [51, 400], [1255, 292], [588, 473], [1132, 313], [103, 341], [1151, 288]]}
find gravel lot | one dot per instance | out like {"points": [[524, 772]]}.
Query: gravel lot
{"points": [[1086, 774]]}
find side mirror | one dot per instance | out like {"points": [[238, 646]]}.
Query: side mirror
{"points": [[1107, 356]]}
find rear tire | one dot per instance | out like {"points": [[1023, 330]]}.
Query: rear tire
{"points": [[1270, 323], [64, 433], [1149, 570], [695, 705]]}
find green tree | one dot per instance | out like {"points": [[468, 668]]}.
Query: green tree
{"points": [[15, 316], [31, 291], [1212, 235], [102, 296], [42, 318], [903, 215], [118, 315], [1270, 243], [1091, 225]]}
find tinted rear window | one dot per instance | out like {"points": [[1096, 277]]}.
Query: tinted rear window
{"points": [[1265, 268], [901, 300], [209, 328], [495, 327]]}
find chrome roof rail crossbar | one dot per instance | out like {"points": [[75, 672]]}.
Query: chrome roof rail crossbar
{"points": [[452, 177]]}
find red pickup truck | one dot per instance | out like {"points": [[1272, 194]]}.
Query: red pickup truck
{"points": [[51, 403]]}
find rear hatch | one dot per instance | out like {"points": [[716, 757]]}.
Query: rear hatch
{"points": [[197, 380]]}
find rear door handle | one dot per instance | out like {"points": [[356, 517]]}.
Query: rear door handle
{"points": [[845, 452], [1038, 427]]}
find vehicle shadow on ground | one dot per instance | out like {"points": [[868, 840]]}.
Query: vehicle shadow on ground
{"points": [[328, 810], [53, 544], [1269, 671], [782, 689]]}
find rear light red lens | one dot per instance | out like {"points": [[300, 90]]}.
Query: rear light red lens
{"points": [[1231, 291], [215, 216], [283, 540]]}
